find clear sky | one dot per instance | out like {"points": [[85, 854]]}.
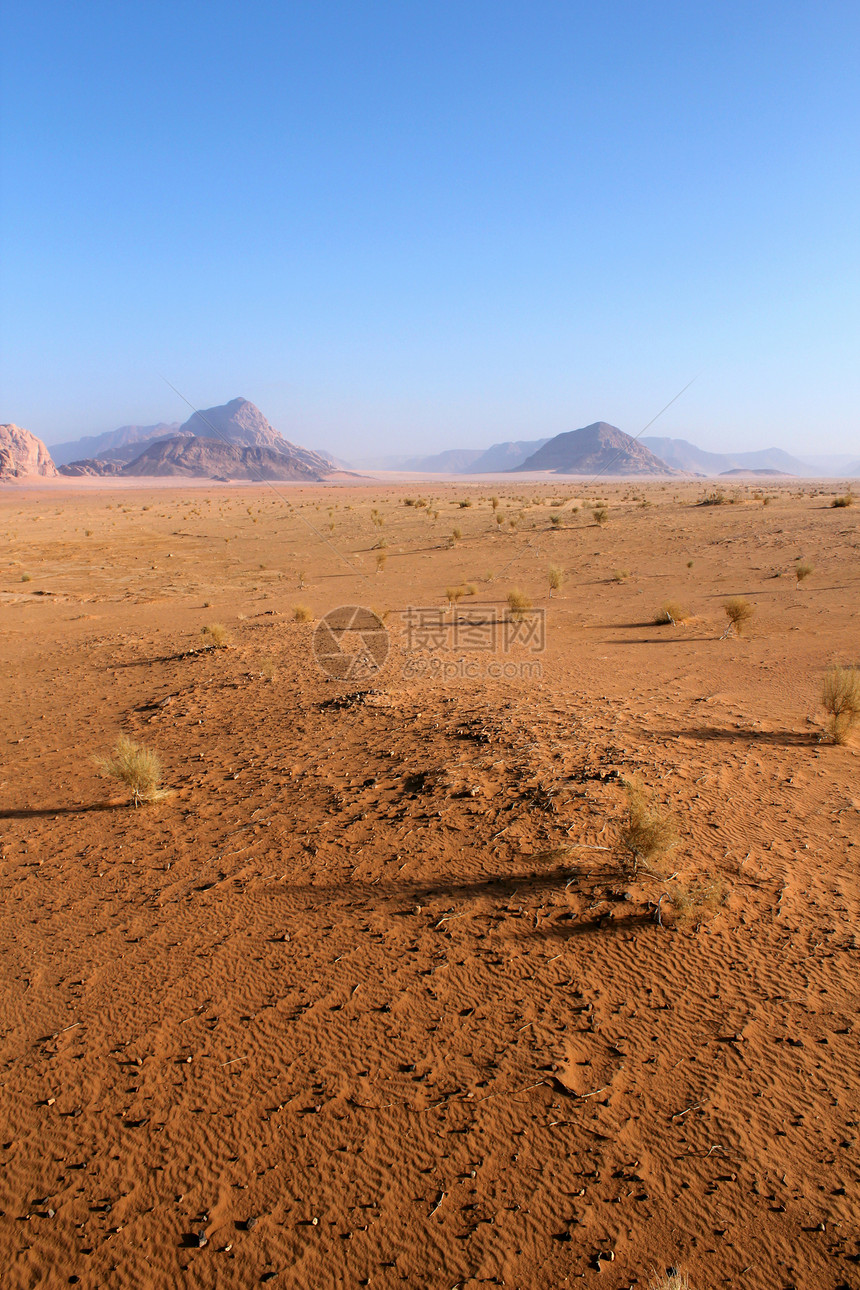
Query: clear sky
{"points": [[407, 225]]}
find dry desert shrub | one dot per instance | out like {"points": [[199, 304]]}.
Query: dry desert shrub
{"points": [[601, 515], [715, 498], [670, 612], [738, 611], [620, 575], [555, 577], [802, 570], [456, 534], [671, 1281], [555, 520], [267, 669], [219, 637], [301, 614], [137, 767], [840, 698], [454, 595], [650, 833], [846, 499], [381, 557], [695, 902], [518, 604]]}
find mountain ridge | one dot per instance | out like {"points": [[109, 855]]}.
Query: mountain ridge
{"points": [[232, 440], [598, 448]]}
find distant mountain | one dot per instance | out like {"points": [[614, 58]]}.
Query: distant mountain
{"points": [[392, 462], [240, 421], [91, 466], [113, 445], [334, 462], [231, 441], [686, 456], [506, 456], [831, 463], [767, 471], [460, 461], [194, 455], [596, 449], [22, 454], [770, 459], [852, 470], [456, 461]]}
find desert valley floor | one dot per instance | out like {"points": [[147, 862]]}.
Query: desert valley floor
{"points": [[370, 999]]}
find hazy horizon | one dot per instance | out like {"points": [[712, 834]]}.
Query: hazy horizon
{"points": [[393, 451], [452, 226]]}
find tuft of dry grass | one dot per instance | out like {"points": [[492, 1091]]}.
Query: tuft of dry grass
{"points": [[620, 575], [454, 594], [301, 614], [695, 902], [670, 612], [650, 833], [738, 611], [555, 577], [381, 557], [601, 515], [138, 767], [671, 1281], [840, 698], [518, 604], [803, 569], [846, 499], [218, 635], [267, 669]]}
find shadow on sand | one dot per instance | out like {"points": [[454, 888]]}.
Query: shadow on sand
{"points": [[775, 738], [46, 812]]}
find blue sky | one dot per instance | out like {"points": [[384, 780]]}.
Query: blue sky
{"points": [[403, 225]]}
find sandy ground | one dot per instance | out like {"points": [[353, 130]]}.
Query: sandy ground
{"points": [[369, 1000]]}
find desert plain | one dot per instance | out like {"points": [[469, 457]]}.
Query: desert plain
{"points": [[373, 997]]}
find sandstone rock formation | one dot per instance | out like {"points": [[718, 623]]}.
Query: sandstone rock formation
{"points": [[22, 454]]}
